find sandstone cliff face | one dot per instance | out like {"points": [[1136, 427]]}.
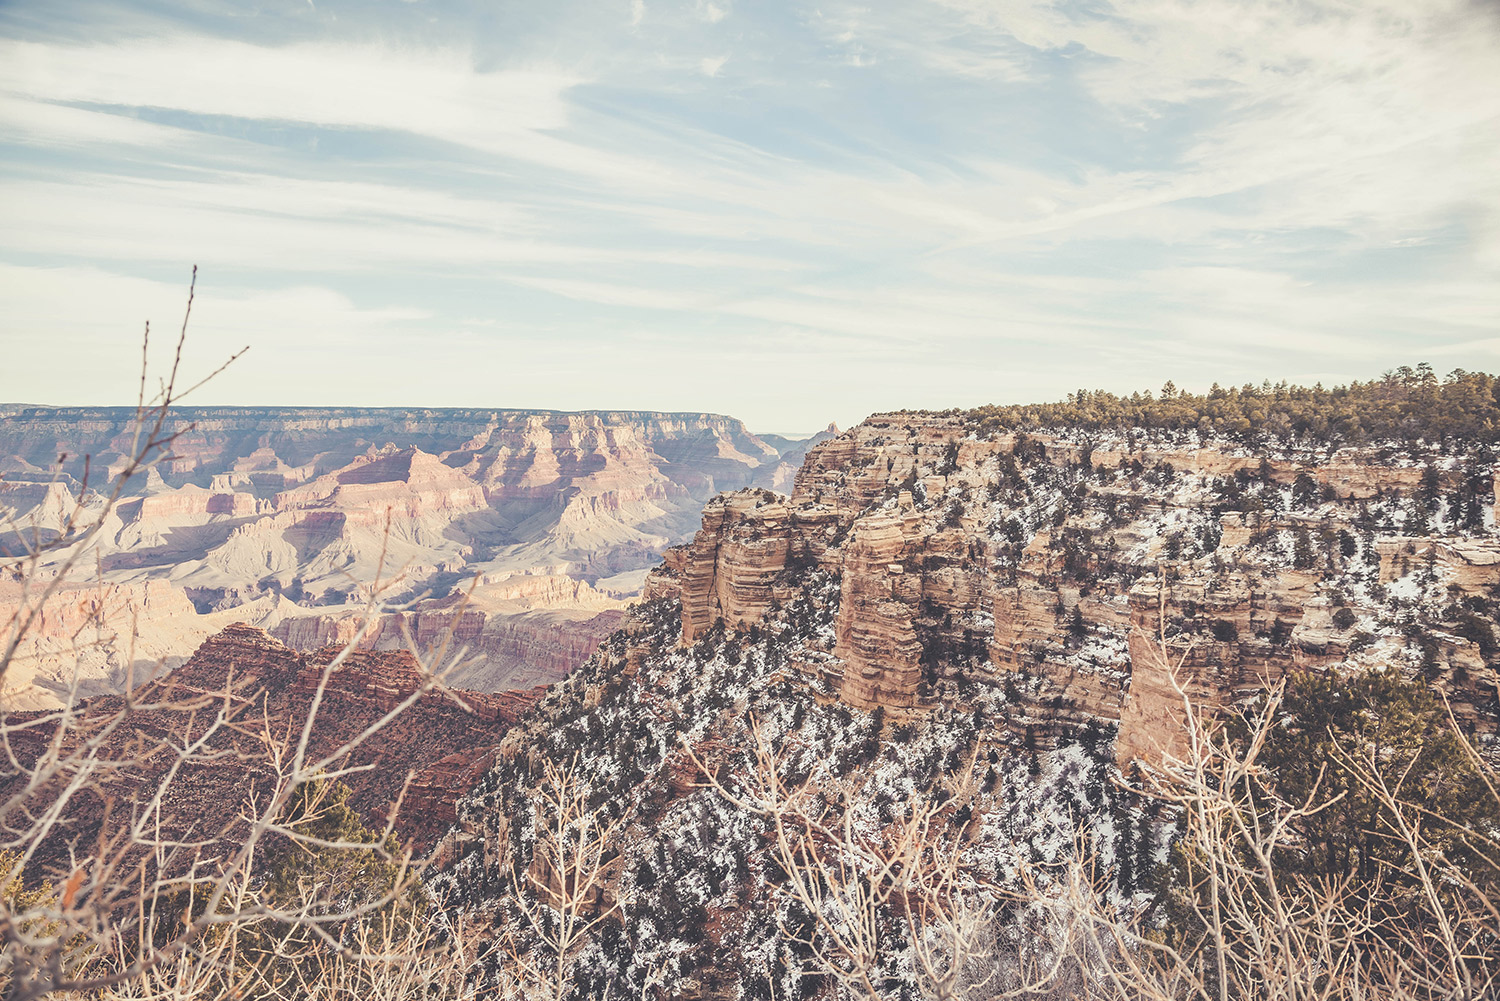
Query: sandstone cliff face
{"points": [[745, 547], [1090, 581], [930, 607], [316, 506]]}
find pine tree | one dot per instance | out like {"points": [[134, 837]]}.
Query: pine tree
{"points": [[1303, 557], [1076, 626], [1328, 725]]}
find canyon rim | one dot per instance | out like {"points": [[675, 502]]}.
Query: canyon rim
{"points": [[448, 592]]}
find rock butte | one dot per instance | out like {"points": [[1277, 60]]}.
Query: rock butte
{"points": [[284, 514], [922, 610]]}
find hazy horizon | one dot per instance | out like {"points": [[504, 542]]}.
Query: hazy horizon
{"points": [[399, 407], [787, 213]]}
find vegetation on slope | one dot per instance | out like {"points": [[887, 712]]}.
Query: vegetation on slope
{"points": [[1409, 407], [706, 904], [1340, 841], [711, 820]]}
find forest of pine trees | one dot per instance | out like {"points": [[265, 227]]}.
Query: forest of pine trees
{"points": [[1405, 407]]}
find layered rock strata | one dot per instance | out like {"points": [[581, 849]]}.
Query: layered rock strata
{"points": [[1099, 583], [984, 625], [309, 510]]}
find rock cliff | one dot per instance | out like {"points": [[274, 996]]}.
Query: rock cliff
{"points": [[1079, 578], [941, 604], [307, 509]]}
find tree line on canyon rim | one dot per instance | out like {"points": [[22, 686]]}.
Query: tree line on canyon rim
{"points": [[1335, 837], [1407, 408]]}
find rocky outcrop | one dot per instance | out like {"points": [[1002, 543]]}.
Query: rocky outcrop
{"points": [[877, 618], [435, 790], [320, 506], [1111, 585], [728, 571]]}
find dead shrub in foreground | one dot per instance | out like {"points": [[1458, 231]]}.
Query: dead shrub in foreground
{"points": [[108, 890], [1249, 906]]}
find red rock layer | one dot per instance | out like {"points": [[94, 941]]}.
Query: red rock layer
{"points": [[413, 767], [494, 651]]}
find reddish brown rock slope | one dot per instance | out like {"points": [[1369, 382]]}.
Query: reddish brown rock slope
{"points": [[414, 766]]}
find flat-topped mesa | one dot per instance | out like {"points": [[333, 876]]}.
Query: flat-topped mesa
{"points": [[287, 445], [378, 488], [294, 510], [1042, 567], [190, 501]]}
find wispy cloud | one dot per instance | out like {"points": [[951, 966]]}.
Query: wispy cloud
{"points": [[435, 93], [861, 205]]}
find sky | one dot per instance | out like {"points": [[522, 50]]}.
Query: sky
{"points": [[791, 213]]}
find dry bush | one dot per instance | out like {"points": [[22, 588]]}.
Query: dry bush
{"points": [[560, 899], [853, 885], [1241, 919], [1424, 925], [24, 547], [1245, 921], [147, 906]]}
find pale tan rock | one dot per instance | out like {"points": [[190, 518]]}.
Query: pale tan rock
{"points": [[875, 631], [891, 507], [322, 505]]}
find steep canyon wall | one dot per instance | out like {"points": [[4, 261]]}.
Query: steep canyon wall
{"points": [[290, 518], [1093, 583]]}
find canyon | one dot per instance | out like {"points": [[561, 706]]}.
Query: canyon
{"points": [[1059, 579], [936, 603], [1095, 582], [298, 520], [245, 697]]}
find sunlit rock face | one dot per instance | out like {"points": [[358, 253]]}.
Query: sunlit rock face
{"points": [[1099, 580], [543, 520]]}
